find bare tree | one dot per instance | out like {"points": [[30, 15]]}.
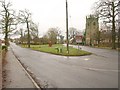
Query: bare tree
{"points": [[61, 39], [20, 32], [34, 29], [107, 10], [72, 32], [52, 35], [8, 19], [34, 32], [58, 32], [44, 39], [25, 17]]}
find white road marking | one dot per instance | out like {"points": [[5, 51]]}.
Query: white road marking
{"points": [[86, 59]]}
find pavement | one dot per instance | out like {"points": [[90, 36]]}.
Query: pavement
{"points": [[0, 71], [99, 70], [15, 77]]}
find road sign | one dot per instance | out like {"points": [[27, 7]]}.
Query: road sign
{"points": [[78, 38]]}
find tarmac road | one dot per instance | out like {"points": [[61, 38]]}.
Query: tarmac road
{"points": [[93, 71]]}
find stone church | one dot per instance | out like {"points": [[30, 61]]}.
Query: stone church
{"points": [[92, 29]]}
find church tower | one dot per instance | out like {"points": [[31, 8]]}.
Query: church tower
{"points": [[92, 29]]}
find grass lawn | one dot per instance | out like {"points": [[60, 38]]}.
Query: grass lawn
{"points": [[54, 50]]}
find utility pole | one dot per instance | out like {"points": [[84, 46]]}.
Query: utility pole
{"points": [[67, 27], [119, 24]]}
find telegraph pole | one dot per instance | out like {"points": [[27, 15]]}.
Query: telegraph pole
{"points": [[119, 24], [67, 40]]}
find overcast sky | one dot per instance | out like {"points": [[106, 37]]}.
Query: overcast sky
{"points": [[51, 13]]}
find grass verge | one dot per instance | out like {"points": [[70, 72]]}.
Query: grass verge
{"points": [[58, 49]]}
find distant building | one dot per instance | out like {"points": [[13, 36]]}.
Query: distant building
{"points": [[92, 29], [77, 38]]}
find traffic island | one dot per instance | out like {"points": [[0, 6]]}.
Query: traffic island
{"points": [[59, 49]]}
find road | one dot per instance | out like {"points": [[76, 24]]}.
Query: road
{"points": [[93, 71]]}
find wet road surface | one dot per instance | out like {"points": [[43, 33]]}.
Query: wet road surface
{"points": [[92, 71]]}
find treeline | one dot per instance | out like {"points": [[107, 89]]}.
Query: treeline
{"points": [[10, 21], [53, 34], [107, 11]]}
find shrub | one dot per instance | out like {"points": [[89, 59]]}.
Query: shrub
{"points": [[4, 47]]}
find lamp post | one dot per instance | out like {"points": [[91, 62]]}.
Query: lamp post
{"points": [[67, 40]]}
